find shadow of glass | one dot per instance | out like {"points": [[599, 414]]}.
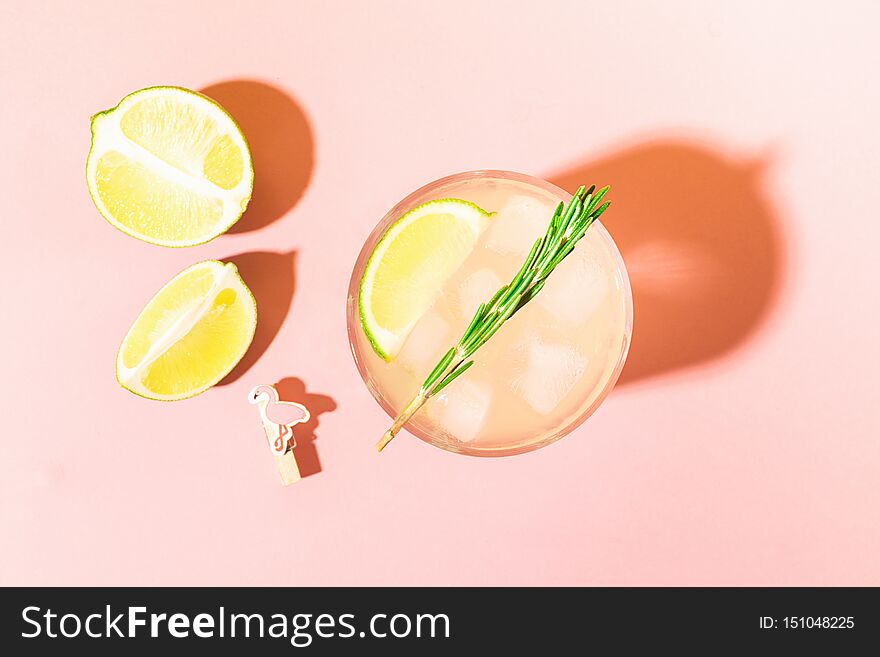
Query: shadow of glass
{"points": [[701, 245], [305, 452], [280, 140], [272, 279]]}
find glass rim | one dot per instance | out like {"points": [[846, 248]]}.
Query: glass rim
{"points": [[352, 313]]}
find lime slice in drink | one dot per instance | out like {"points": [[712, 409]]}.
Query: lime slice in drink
{"points": [[190, 335], [409, 266], [169, 166]]}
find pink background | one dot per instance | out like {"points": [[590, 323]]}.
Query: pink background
{"points": [[741, 446]]}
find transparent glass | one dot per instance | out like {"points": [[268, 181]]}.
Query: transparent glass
{"points": [[548, 368]]}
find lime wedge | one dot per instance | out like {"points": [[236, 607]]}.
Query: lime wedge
{"points": [[409, 266], [169, 166], [190, 335]]}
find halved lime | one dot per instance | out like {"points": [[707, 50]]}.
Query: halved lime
{"points": [[409, 266], [169, 166], [190, 335]]}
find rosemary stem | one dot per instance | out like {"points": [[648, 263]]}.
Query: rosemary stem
{"points": [[409, 410]]}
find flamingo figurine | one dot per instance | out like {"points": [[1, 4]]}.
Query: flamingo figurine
{"points": [[278, 420]]}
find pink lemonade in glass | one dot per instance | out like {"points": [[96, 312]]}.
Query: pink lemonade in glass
{"points": [[547, 368]]}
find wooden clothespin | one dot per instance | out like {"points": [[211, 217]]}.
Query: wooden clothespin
{"points": [[278, 420]]}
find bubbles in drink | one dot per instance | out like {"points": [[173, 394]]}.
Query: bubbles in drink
{"points": [[519, 222], [476, 288], [461, 409], [577, 287], [548, 373]]}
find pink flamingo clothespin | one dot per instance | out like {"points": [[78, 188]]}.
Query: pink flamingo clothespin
{"points": [[278, 420]]}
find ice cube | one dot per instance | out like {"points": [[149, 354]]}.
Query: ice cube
{"points": [[576, 287], [425, 344], [475, 289], [549, 373], [517, 224], [461, 408]]}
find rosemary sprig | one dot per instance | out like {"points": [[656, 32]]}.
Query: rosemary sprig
{"points": [[567, 225]]}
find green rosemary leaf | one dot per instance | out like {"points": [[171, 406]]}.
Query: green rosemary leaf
{"points": [[557, 216], [453, 375], [511, 287], [531, 294], [574, 209], [601, 209], [439, 368], [598, 197], [530, 260], [475, 339], [568, 248], [494, 299], [474, 322], [520, 287]]}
